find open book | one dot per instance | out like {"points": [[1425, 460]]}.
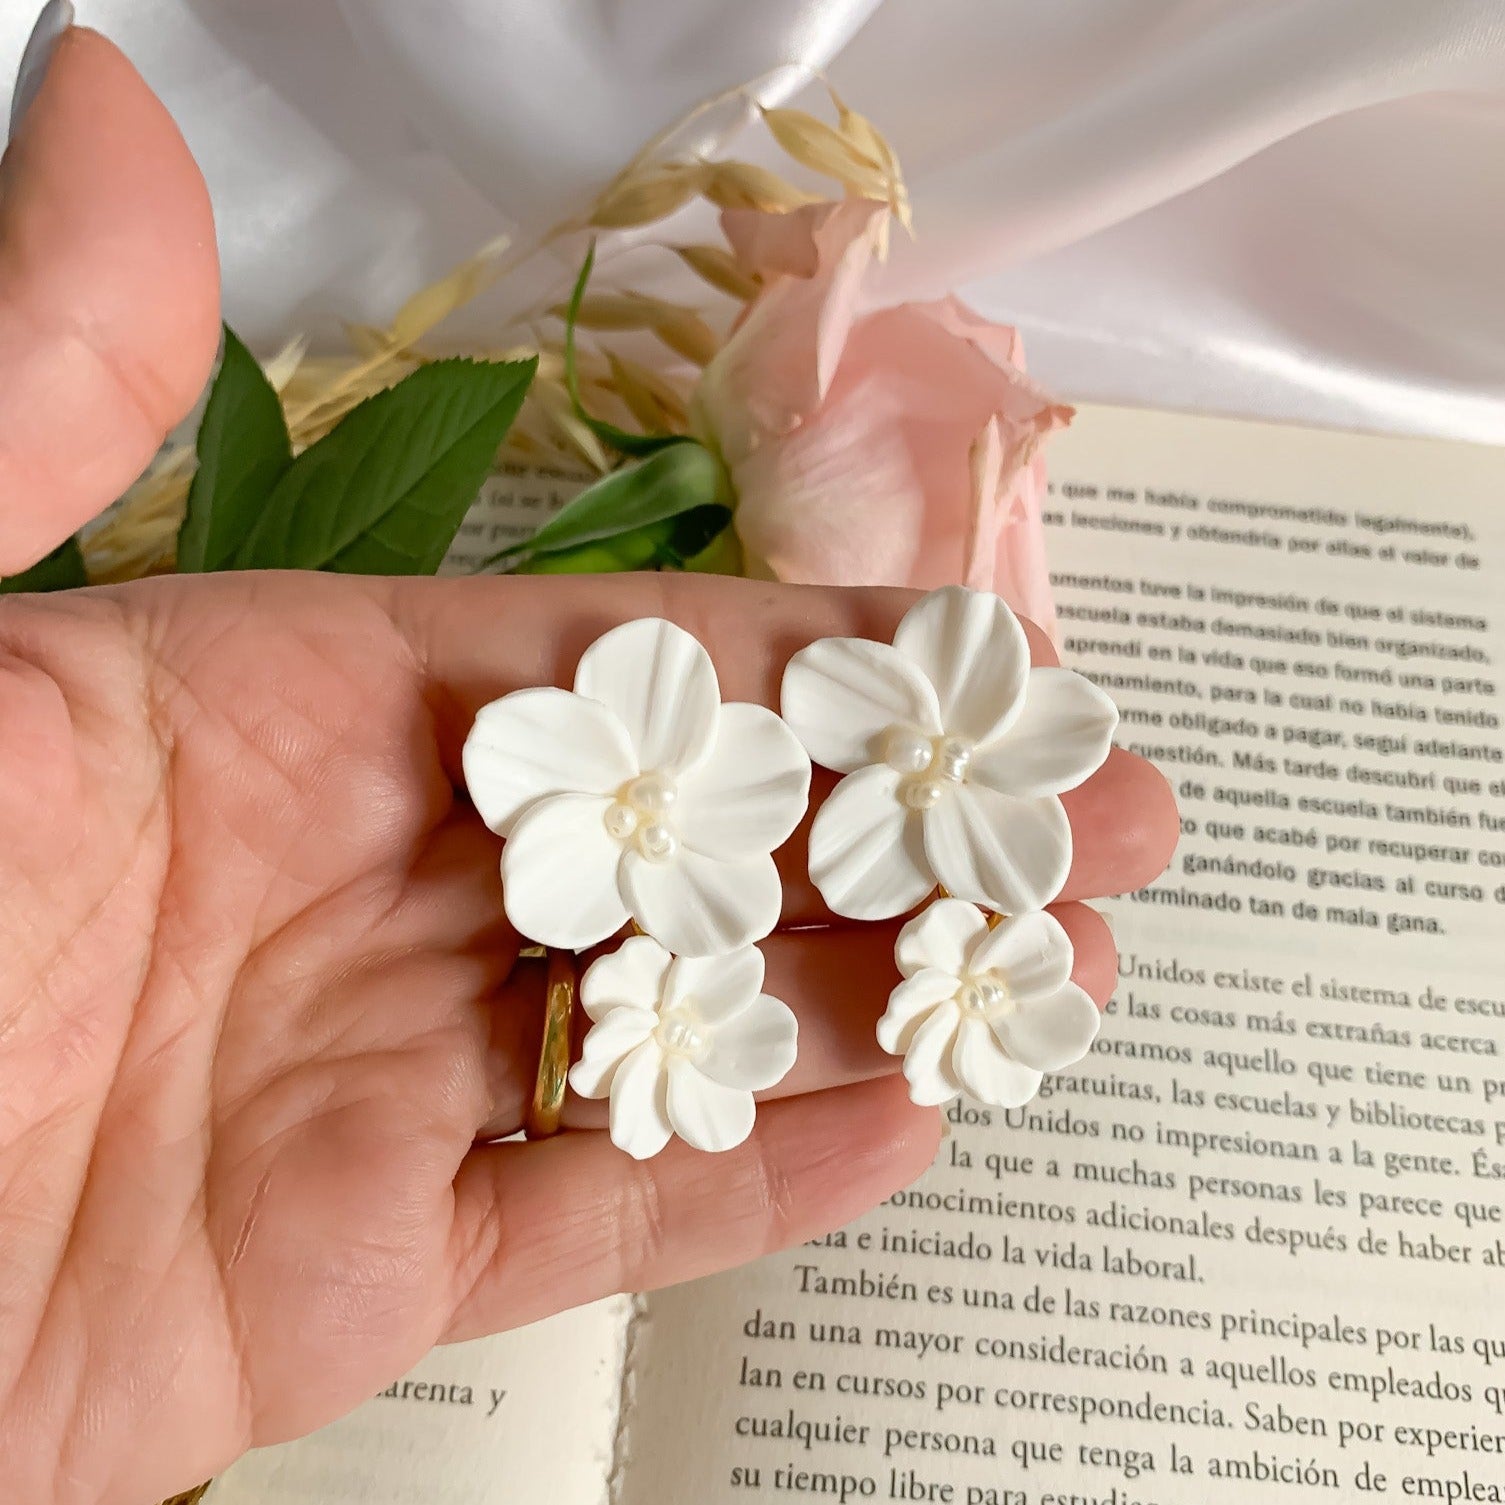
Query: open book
{"points": [[1251, 1250]]}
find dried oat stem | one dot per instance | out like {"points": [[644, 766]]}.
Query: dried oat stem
{"points": [[138, 536]]}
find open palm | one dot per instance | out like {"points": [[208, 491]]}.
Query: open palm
{"points": [[260, 1013]]}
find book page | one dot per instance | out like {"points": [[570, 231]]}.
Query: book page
{"points": [[528, 1415], [1251, 1250], [513, 505]]}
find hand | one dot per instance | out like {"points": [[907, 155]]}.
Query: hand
{"points": [[259, 1007]]}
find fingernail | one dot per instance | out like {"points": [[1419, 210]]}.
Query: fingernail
{"points": [[56, 18]]}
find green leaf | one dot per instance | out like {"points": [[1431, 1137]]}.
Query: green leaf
{"points": [[721, 556], [693, 533], [62, 570], [243, 451], [608, 433], [668, 543], [385, 491], [664, 486]]}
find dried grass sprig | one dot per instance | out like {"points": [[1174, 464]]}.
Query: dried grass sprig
{"points": [[826, 150], [745, 185], [871, 142], [717, 267], [649, 196], [138, 536]]}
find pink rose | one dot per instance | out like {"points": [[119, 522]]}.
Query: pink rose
{"points": [[898, 448]]}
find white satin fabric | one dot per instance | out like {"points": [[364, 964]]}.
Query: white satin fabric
{"points": [[1282, 208]]}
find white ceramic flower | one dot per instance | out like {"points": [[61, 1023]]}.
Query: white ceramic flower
{"points": [[983, 1011], [680, 1044], [954, 751], [639, 794]]}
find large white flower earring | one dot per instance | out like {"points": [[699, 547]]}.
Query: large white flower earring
{"points": [[638, 795], [954, 751]]}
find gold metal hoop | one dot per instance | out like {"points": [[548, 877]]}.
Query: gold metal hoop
{"points": [[554, 1052]]}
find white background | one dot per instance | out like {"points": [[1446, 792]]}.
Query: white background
{"points": [[1287, 208]]}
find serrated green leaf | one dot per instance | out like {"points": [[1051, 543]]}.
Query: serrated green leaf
{"points": [[660, 488], [608, 433], [62, 570], [385, 491], [243, 451], [667, 543]]}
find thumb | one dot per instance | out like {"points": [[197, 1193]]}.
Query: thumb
{"points": [[109, 288]]}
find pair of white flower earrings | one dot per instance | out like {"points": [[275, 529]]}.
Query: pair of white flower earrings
{"points": [[639, 797]]}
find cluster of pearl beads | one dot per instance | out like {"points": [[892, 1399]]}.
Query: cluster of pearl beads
{"points": [[678, 1031], [930, 765], [986, 995], [640, 814]]}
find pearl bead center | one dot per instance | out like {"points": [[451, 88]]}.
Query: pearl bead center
{"points": [[985, 994], [640, 813], [680, 1033], [929, 765]]}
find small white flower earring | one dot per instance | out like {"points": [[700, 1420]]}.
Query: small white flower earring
{"points": [[640, 796], [955, 752], [680, 1044], [984, 1009]]}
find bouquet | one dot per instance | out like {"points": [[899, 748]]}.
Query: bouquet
{"points": [[777, 430]]}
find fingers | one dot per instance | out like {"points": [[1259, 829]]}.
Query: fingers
{"points": [[1095, 964], [481, 638], [109, 294], [1124, 828], [546, 1226], [837, 982]]}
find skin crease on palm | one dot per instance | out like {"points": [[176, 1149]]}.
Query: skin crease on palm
{"points": [[258, 1003]]}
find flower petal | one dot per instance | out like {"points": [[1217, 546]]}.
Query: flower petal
{"points": [[972, 649], [841, 694], [835, 501], [660, 682], [559, 873], [704, 1113], [1059, 739], [873, 486], [909, 1005], [867, 852], [697, 906], [1052, 1032], [718, 987], [751, 791], [754, 1050], [607, 1044], [632, 976], [775, 369], [942, 935], [1009, 854], [639, 1113], [539, 742], [1032, 951], [927, 1062], [986, 1072]]}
